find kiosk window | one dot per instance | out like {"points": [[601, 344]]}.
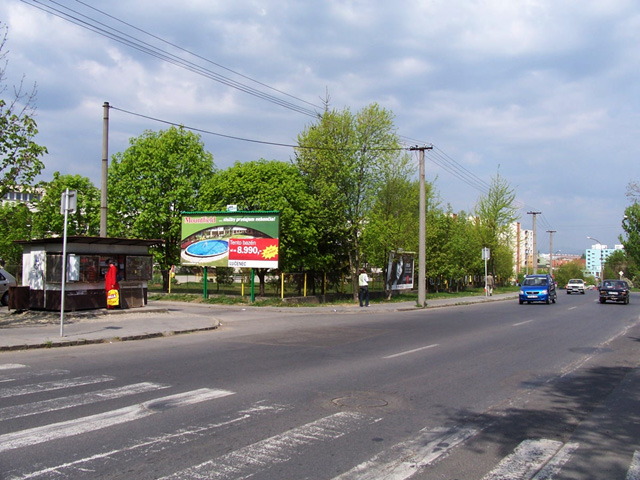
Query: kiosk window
{"points": [[139, 267]]}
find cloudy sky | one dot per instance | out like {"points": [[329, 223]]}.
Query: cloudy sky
{"points": [[544, 92]]}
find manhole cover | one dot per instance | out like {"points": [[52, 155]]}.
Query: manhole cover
{"points": [[360, 401]]}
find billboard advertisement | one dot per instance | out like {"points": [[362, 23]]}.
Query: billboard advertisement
{"points": [[230, 239], [400, 271]]}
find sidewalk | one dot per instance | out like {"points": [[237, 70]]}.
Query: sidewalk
{"points": [[34, 329]]}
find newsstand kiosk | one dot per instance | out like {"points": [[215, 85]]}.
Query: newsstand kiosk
{"points": [[86, 267]]}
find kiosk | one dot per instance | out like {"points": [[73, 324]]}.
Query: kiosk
{"points": [[86, 267]]}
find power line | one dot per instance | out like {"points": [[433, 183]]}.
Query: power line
{"points": [[95, 26], [243, 139]]}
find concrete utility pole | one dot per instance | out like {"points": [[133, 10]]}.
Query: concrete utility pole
{"points": [[551, 232], [535, 248], [422, 287], [105, 169]]}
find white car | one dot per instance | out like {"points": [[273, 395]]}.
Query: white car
{"points": [[6, 280], [575, 285]]}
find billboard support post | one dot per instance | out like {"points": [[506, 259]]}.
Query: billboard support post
{"points": [[205, 282], [253, 284]]}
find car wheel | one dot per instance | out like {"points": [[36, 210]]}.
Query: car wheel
{"points": [[521, 302], [602, 300], [582, 292], [568, 292], [5, 299]]}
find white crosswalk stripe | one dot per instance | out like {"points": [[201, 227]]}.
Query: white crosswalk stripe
{"points": [[11, 366], [402, 460], [533, 460], [91, 423], [53, 385], [45, 406], [634, 469], [24, 375], [275, 450]]}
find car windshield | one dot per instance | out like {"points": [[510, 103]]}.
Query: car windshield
{"points": [[614, 284], [534, 281]]}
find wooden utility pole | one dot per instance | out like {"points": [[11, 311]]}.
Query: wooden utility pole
{"points": [[551, 232], [535, 248], [422, 287], [105, 169]]}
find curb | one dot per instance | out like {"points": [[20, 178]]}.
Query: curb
{"points": [[95, 341]]}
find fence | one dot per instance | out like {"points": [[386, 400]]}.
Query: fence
{"points": [[222, 281]]}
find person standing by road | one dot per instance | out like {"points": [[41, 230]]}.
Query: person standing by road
{"points": [[490, 284], [363, 282], [111, 281]]}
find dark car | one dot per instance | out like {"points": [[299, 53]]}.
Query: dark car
{"points": [[614, 290], [538, 288]]}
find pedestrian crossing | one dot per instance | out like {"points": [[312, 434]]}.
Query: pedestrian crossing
{"points": [[532, 459]]}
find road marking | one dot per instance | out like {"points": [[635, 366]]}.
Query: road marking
{"points": [[71, 401], [408, 352], [634, 469], [244, 462], [571, 308], [11, 366], [533, 460], [403, 459], [53, 385], [25, 375], [34, 436], [522, 323], [156, 444]]}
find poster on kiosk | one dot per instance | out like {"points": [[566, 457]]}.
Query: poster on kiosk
{"points": [[230, 239]]}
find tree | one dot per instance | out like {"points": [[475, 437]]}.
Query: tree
{"points": [[20, 156], [631, 237], [496, 212], [15, 224], [392, 222], [159, 176], [269, 185], [567, 271], [86, 219], [342, 157]]}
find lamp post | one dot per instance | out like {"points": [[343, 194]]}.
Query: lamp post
{"points": [[601, 260]]}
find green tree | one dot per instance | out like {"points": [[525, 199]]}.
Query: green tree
{"points": [[392, 222], [86, 219], [15, 224], [270, 185], [159, 176], [567, 271], [496, 211], [343, 157], [631, 237], [620, 261], [20, 160]]}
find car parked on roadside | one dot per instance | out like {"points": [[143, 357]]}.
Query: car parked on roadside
{"points": [[6, 280], [538, 288], [575, 285], [614, 291]]}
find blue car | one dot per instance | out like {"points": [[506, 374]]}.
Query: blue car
{"points": [[538, 288]]}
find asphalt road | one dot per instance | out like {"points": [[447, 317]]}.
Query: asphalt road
{"points": [[485, 391]]}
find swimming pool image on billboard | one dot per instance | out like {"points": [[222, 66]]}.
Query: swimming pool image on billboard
{"points": [[210, 249]]}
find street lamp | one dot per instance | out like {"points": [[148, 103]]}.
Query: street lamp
{"points": [[601, 261]]}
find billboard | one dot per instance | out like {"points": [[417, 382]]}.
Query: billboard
{"points": [[230, 239], [400, 271]]}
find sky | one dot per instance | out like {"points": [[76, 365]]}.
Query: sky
{"points": [[544, 93]]}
